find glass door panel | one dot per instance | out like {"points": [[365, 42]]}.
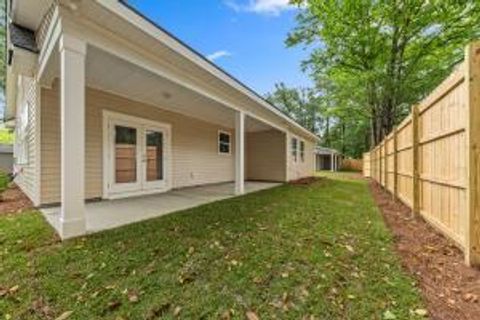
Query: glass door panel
{"points": [[125, 150], [154, 155]]}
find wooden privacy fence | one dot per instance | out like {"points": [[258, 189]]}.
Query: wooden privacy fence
{"points": [[431, 161], [351, 164], [366, 165]]}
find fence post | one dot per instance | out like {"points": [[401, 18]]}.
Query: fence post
{"points": [[472, 78], [395, 165], [385, 162], [380, 163], [415, 172]]}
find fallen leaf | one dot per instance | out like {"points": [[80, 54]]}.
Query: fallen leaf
{"points": [[257, 280], [470, 297], [226, 315], [388, 315], [177, 310], [64, 315], [132, 297], [13, 289], [421, 312], [252, 315], [349, 248]]}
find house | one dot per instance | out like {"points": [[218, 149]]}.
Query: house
{"points": [[327, 159], [110, 108]]}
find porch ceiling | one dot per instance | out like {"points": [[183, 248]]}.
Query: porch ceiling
{"points": [[112, 74]]}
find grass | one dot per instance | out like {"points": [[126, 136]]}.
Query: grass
{"points": [[288, 253], [6, 136], [4, 181]]}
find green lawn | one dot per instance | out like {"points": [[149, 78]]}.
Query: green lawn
{"points": [[6, 136], [4, 181], [285, 253]]}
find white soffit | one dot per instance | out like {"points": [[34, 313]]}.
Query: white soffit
{"points": [[29, 13], [112, 74]]}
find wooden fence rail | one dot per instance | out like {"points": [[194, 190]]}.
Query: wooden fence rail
{"points": [[431, 161]]}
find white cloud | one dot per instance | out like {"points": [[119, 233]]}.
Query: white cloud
{"points": [[218, 54], [269, 7]]}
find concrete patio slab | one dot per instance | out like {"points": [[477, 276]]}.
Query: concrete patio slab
{"points": [[110, 214]]}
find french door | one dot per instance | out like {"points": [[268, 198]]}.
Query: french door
{"points": [[137, 156]]}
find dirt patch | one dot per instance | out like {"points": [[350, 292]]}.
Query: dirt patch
{"points": [[353, 175], [13, 200], [451, 289], [305, 181]]}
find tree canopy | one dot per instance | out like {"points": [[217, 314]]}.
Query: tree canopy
{"points": [[371, 60]]}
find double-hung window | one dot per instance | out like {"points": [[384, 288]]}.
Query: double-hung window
{"points": [[224, 142], [302, 151], [294, 148]]}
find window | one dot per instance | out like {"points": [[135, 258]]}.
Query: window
{"points": [[294, 148], [302, 151], [224, 142]]}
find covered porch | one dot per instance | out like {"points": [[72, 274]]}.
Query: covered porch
{"points": [[127, 136], [103, 215]]}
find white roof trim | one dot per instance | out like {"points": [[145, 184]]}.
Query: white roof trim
{"points": [[126, 12]]}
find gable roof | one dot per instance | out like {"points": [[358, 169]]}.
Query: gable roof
{"points": [[207, 64]]}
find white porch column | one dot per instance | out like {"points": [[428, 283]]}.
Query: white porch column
{"points": [[239, 152], [72, 115], [332, 162]]}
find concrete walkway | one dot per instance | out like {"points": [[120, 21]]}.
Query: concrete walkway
{"points": [[109, 214]]}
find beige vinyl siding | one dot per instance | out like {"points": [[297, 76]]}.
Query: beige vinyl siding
{"points": [[27, 178], [195, 157], [300, 169], [265, 156]]}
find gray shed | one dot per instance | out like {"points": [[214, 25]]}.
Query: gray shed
{"points": [[327, 159]]}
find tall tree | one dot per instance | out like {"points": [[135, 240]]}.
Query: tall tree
{"points": [[301, 104], [379, 57]]}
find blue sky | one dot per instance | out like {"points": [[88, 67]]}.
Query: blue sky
{"points": [[244, 37]]}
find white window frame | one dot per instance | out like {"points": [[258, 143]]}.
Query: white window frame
{"points": [[229, 134], [294, 148]]}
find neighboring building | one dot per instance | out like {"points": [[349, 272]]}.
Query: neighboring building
{"points": [[327, 159], [6, 158], [108, 105]]}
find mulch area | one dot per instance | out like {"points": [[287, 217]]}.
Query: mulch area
{"points": [[305, 181], [451, 289], [13, 200]]}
